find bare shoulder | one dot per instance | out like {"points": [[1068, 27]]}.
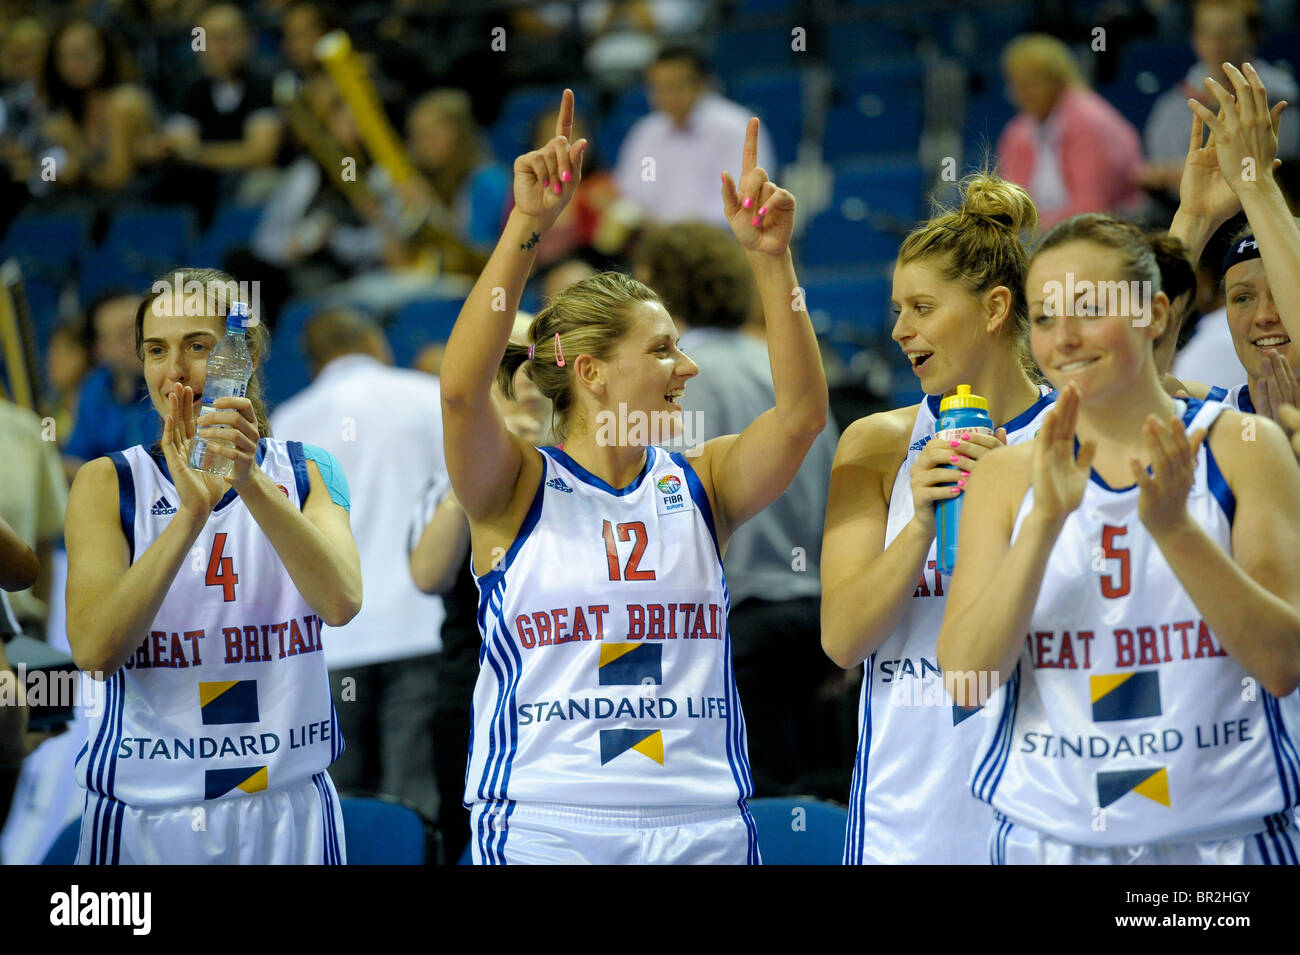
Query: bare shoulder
{"points": [[95, 480], [1249, 446], [879, 439]]}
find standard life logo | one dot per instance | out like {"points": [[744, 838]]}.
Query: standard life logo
{"points": [[102, 908]]}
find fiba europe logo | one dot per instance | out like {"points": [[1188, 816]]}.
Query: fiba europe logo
{"points": [[669, 484]]}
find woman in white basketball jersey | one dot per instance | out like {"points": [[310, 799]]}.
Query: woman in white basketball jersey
{"points": [[1134, 590], [961, 319], [606, 723], [198, 601]]}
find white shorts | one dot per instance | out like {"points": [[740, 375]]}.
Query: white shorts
{"points": [[299, 824], [558, 834], [1011, 844]]}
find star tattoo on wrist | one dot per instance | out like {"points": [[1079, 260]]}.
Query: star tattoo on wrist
{"points": [[532, 242]]}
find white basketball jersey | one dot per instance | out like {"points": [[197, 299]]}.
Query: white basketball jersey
{"points": [[909, 802], [1125, 721], [227, 694], [606, 663], [1236, 397]]}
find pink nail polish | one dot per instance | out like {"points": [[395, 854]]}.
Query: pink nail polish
{"points": [[965, 437], [961, 483], [748, 203], [756, 222], [955, 444], [546, 182], [965, 474], [954, 459], [558, 188], [763, 211], [564, 176], [956, 490]]}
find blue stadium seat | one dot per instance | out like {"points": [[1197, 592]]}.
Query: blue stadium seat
{"points": [[108, 268], [987, 114], [800, 830], [739, 47], [510, 134], [1147, 69], [1282, 49], [419, 323], [630, 106], [880, 113], [849, 299], [897, 188], [150, 240], [285, 370], [777, 98], [64, 850], [232, 226], [384, 831], [47, 245], [850, 44], [836, 239]]}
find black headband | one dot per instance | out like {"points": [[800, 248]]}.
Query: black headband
{"points": [[1240, 251]]}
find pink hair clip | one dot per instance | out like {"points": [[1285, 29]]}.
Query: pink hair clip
{"points": [[559, 355], [531, 349]]}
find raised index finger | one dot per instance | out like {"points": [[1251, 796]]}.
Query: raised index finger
{"points": [[749, 159], [564, 119]]}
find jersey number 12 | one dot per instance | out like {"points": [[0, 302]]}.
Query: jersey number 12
{"points": [[626, 533]]}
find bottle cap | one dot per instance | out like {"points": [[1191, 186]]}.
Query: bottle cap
{"points": [[963, 399], [239, 316]]}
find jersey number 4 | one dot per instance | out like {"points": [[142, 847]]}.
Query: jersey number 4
{"points": [[221, 570], [1109, 586], [626, 533]]}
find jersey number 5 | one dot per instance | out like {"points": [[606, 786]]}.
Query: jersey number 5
{"points": [[1108, 587], [221, 570], [625, 533]]}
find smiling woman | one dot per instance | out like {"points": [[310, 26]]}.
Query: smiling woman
{"points": [[1153, 555], [961, 319], [199, 601]]}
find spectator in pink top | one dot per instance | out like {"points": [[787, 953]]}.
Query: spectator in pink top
{"points": [[1069, 148]]}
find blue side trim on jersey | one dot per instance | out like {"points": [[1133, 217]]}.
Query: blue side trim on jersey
{"points": [[331, 472], [700, 498], [1284, 752], [1218, 486], [489, 581], [125, 500], [1030, 413], [507, 664], [854, 839], [586, 477], [1243, 400], [1216, 393], [119, 697], [301, 479], [737, 742], [991, 767]]}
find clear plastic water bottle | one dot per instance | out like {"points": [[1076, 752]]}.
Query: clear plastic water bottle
{"points": [[959, 414], [229, 368]]}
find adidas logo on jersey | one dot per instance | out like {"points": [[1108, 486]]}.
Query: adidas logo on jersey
{"points": [[920, 443], [559, 485], [162, 506]]}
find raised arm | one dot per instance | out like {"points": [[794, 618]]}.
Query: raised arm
{"points": [[748, 471], [1245, 137], [982, 635], [485, 461]]}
